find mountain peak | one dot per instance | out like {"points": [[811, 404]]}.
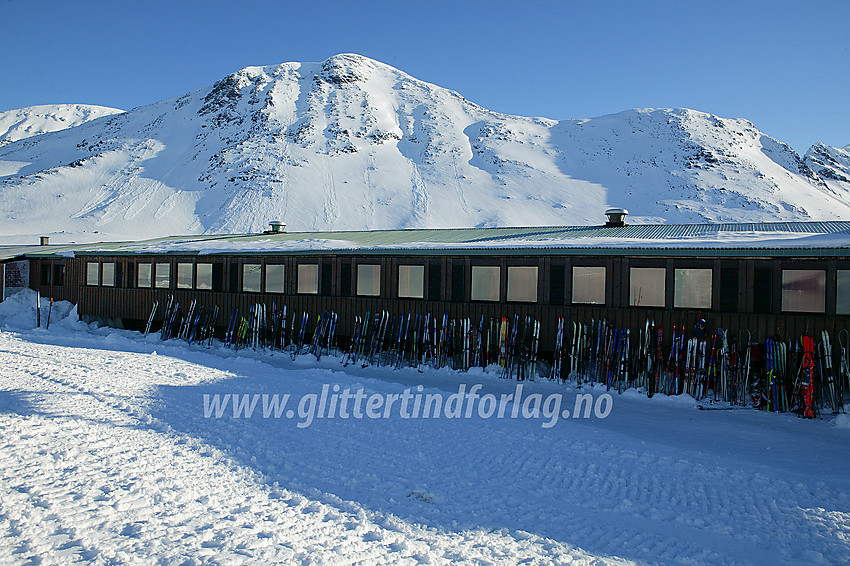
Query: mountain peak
{"points": [[31, 121], [352, 143]]}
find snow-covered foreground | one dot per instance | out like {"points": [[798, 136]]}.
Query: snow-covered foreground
{"points": [[106, 456]]}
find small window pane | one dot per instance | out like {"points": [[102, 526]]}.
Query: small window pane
{"points": [[646, 286], [108, 273], [728, 289], [251, 277], [45, 274], [59, 275], [763, 284], [692, 289], [485, 283], [369, 280], [144, 276], [842, 292], [589, 285], [184, 275], [308, 278], [274, 279], [522, 284], [803, 290], [411, 281], [163, 275], [203, 276], [92, 273], [557, 283]]}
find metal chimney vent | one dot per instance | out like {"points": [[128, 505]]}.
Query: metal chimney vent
{"points": [[277, 227], [616, 217], [44, 240]]}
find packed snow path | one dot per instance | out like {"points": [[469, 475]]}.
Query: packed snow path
{"points": [[106, 456]]}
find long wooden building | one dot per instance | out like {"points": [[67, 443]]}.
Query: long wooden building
{"points": [[773, 279]]}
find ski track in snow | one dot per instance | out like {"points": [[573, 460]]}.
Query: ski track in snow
{"points": [[106, 457]]}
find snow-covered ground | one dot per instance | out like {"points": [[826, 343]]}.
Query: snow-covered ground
{"points": [[107, 457]]}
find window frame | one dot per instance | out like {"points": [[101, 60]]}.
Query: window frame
{"points": [[139, 267], [303, 278], [158, 278], [635, 301], [271, 277], [200, 273], [375, 279], [479, 293], [92, 272], [603, 288], [252, 269], [411, 269], [182, 282], [786, 294], [58, 275], [838, 288], [676, 287], [511, 290]]}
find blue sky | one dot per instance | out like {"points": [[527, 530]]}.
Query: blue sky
{"points": [[783, 65]]}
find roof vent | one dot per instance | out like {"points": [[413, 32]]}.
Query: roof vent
{"points": [[44, 240], [276, 227], [616, 217]]}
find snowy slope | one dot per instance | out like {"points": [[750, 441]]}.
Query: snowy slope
{"points": [[352, 143], [34, 120], [106, 457], [832, 164]]}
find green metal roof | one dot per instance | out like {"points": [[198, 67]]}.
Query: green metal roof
{"points": [[788, 239], [16, 252]]}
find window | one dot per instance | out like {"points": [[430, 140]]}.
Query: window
{"points": [[589, 285], [729, 289], [803, 290], [692, 289], [308, 278], [144, 275], [184, 275], [274, 279], [345, 279], [218, 276], [325, 279], [458, 281], [204, 276], [485, 283], [163, 275], [646, 286], [45, 274], [92, 273], [763, 286], [411, 281], [435, 281], [251, 273], [369, 280], [522, 284], [842, 292], [107, 274], [557, 281], [59, 275]]}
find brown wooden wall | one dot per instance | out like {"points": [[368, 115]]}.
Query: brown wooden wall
{"points": [[134, 304]]}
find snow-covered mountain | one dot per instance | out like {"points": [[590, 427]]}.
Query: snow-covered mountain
{"points": [[34, 120], [832, 164], [352, 143]]}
